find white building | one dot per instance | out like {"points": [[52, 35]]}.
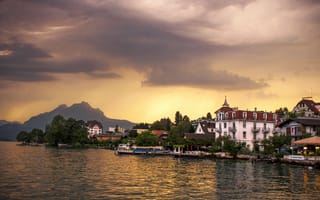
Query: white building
{"points": [[245, 126], [94, 128]]}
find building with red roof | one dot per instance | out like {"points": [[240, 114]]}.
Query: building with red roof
{"points": [[250, 127], [306, 107]]}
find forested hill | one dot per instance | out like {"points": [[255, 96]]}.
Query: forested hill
{"points": [[79, 111]]}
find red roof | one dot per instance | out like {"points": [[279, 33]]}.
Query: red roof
{"points": [[250, 115], [159, 132], [310, 104]]}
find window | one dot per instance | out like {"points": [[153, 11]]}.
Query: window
{"points": [[244, 115], [274, 116], [255, 125], [234, 135], [254, 115], [244, 124], [265, 116], [234, 124], [225, 125], [226, 115], [264, 126], [244, 135], [233, 115]]}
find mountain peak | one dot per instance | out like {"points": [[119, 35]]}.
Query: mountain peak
{"points": [[80, 111]]}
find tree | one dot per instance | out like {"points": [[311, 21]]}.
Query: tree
{"points": [[282, 112], [141, 126], [133, 133], [176, 135], [209, 116], [24, 137], [157, 125], [186, 118], [279, 140], [178, 117], [56, 130], [167, 123], [37, 136], [146, 139]]}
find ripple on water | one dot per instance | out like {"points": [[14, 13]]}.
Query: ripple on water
{"points": [[46, 173]]}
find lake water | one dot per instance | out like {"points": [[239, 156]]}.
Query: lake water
{"points": [[45, 173]]}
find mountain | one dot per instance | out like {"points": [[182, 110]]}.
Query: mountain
{"points": [[3, 122], [79, 111]]}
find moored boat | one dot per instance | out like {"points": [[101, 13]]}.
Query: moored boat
{"points": [[141, 150]]}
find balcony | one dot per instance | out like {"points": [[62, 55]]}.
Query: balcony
{"points": [[255, 130], [232, 129], [266, 130]]}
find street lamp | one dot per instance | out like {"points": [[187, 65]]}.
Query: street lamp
{"points": [[305, 150], [291, 150]]}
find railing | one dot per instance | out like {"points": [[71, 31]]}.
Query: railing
{"points": [[266, 130], [255, 130]]}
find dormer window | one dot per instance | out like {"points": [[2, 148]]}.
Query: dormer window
{"points": [[265, 115], [244, 115], [254, 115], [226, 115], [233, 115]]}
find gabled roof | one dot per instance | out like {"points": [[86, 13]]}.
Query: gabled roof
{"points": [[93, 123], [303, 120], [205, 125], [310, 104]]}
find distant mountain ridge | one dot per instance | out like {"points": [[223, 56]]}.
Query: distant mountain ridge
{"points": [[79, 111]]}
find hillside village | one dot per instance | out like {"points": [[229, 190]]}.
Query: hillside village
{"points": [[249, 127]]}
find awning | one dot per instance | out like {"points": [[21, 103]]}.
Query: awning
{"points": [[308, 141]]}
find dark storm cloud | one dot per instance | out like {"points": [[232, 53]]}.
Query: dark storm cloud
{"points": [[25, 62], [111, 30], [205, 78]]}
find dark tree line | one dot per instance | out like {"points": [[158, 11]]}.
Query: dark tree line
{"points": [[35, 136], [60, 130]]}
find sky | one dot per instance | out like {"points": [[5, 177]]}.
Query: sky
{"points": [[143, 60]]}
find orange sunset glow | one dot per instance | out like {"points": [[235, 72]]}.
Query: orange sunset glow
{"points": [[143, 60]]}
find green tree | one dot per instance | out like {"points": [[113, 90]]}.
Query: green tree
{"points": [[178, 117], [141, 126], [157, 125], [23, 137], [176, 135], [186, 118], [133, 133], [268, 147], [209, 116], [146, 139], [37, 136], [282, 112], [55, 131], [279, 140], [226, 144]]}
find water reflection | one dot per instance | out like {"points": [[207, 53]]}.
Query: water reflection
{"points": [[45, 173]]}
